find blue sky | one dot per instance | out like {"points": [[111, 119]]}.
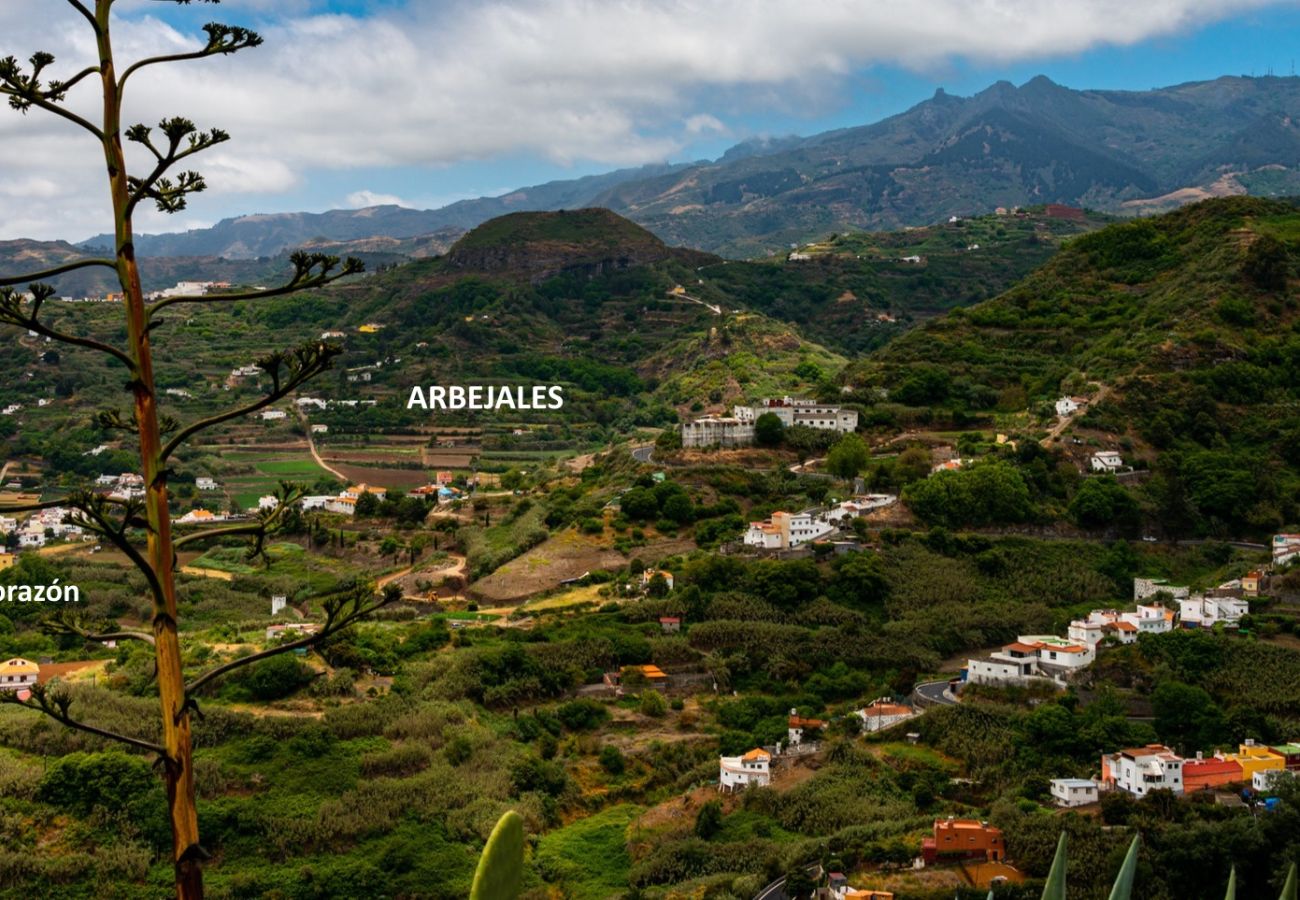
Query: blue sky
{"points": [[352, 102]]}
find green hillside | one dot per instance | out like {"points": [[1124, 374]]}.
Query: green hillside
{"points": [[1182, 326]]}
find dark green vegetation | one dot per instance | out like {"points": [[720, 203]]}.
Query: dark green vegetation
{"points": [[1188, 320], [1005, 146]]}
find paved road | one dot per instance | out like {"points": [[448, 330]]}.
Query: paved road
{"points": [[936, 692], [776, 890]]}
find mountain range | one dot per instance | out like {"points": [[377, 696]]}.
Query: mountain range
{"points": [[1117, 151]]}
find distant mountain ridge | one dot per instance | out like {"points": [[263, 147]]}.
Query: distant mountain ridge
{"points": [[1117, 151]]}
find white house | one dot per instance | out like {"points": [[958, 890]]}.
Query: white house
{"points": [[272, 415], [291, 630], [278, 603], [798, 726], [270, 501], [860, 506], [1074, 791], [881, 714], [316, 402], [1058, 653], [316, 501], [1286, 547], [648, 575], [200, 517], [1263, 782], [1002, 669], [1206, 612], [17, 674], [1143, 769], [1151, 618], [320, 429], [796, 411], [786, 530], [1067, 406], [1107, 461], [204, 483], [343, 505], [739, 772], [31, 539]]}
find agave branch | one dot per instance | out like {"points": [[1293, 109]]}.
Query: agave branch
{"points": [[340, 612], [299, 365], [168, 195], [65, 623], [12, 312], [55, 703], [222, 40], [310, 270], [268, 522], [57, 270], [25, 89], [95, 516]]}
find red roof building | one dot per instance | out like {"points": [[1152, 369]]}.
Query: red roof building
{"points": [[964, 839], [1203, 774]]}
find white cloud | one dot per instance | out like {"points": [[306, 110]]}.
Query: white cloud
{"points": [[567, 80], [363, 199]]}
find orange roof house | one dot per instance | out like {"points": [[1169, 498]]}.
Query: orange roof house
{"points": [[964, 839]]}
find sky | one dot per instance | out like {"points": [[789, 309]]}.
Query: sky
{"points": [[353, 103]]}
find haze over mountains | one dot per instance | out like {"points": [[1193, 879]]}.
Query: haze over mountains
{"points": [[1118, 151]]}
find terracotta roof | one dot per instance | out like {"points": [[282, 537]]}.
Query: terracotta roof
{"points": [[1211, 766], [19, 666], [1022, 647], [799, 722], [757, 753]]}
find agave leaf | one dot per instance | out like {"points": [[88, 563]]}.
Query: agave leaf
{"points": [[1232, 885], [501, 867], [1289, 889], [1123, 889], [1055, 887]]}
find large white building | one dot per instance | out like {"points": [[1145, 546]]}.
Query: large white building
{"points": [[1031, 658], [739, 772], [794, 411], [1107, 461], [786, 530], [1143, 769], [1206, 612]]}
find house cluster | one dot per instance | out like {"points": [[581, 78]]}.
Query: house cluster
{"points": [[737, 430], [786, 531], [190, 289], [40, 526], [346, 501], [1140, 770], [126, 486], [1034, 658]]}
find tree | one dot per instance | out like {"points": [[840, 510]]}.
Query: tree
{"points": [[27, 87], [653, 704], [708, 821], [848, 457], [769, 430]]}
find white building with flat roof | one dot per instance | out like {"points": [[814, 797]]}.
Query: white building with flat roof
{"points": [[1069, 792], [1143, 769]]}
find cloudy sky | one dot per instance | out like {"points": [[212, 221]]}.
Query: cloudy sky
{"points": [[422, 102]]}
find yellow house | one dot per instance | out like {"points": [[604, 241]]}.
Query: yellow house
{"points": [[1256, 758], [1250, 583], [6, 560], [370, 328]]}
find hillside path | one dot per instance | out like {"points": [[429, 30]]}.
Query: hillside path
{"points": [[311, 445]]}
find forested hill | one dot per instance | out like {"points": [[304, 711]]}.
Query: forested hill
{"points": [[1186, 330]]}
